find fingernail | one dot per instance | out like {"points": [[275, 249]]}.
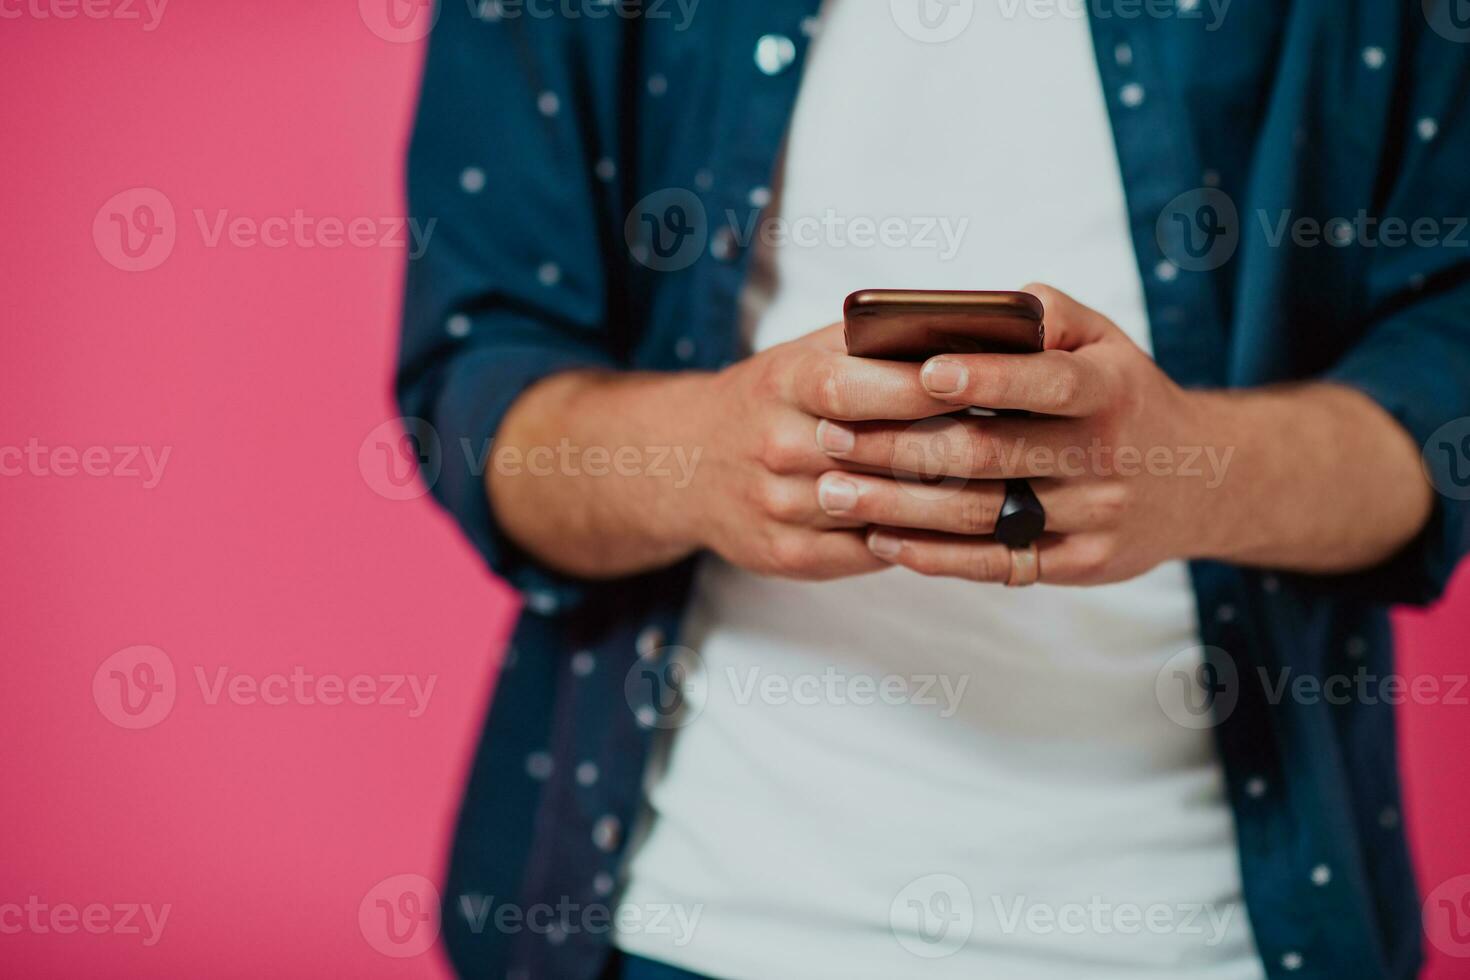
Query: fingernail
{"points": [[834, 438], [944, 377], [884, 545], [836, 495]]}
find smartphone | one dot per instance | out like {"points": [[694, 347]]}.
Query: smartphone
{"points": [[916, 324]]}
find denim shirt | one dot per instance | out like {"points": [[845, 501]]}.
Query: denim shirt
{"points": [[570, 153]]}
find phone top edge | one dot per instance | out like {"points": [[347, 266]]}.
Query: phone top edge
{"points": [[868, 300]]}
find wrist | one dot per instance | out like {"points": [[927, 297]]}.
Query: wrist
{"points": [[1320, 479], [673, 431], [1218, 524]]}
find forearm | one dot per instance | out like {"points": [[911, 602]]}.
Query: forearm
{"points": [[1321, 480], [590, 471]]}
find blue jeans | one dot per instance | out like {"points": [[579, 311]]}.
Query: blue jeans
{"points": [[637, 968]]}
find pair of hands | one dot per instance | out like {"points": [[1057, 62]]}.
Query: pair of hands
{"points": [[835, 466]]}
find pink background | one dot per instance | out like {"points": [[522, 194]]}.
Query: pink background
{"points": [[265, 546]]}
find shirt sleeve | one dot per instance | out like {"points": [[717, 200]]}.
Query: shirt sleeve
{"points": [[1415, 358], [511, 286]]}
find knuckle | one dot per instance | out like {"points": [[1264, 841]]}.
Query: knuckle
{"points": [[1129, 398], [922, 559], [783, 450], [1108, 429], [789, 556], [982, 565], [1065, 390], [1111, 502], [996, 388], [983, 454], [918, 449], [769, 378], [907, 451], [1093, 559], [833, 396], [775, 501], [976, 513]]}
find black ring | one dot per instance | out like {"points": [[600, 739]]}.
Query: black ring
{"points": [[1022, 518]]}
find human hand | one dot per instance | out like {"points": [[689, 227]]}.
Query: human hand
{"points": [[1120, 456], [756, 499]]}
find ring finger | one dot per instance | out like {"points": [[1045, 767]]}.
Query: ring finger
{"points": [[952, 507]]}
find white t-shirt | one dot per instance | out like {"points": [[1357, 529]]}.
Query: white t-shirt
{"points": [[895, 776]]}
